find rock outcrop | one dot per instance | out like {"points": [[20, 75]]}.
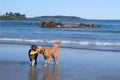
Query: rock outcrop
{"points": [[50, 24]]}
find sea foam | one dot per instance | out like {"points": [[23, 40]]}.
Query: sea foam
{"points": [[70, 42]]}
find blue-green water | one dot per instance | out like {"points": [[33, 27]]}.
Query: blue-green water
{"points": [[105, 37]]}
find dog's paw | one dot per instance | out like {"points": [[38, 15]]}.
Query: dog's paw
{"points": [[56, 63], [32, 63], [44, 65], [48, 63]]}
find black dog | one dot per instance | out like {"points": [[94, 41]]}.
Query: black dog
{"points": [[33, 57]]}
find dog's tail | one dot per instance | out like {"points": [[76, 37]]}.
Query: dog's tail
{"points": [[58, 42]]}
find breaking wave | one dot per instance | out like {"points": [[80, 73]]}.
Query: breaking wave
{"points": [[69, 42]]}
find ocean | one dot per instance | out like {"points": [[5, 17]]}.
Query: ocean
{"points": [[27, 32]]}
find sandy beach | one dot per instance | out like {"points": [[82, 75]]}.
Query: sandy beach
{"points": [[74, 64]]}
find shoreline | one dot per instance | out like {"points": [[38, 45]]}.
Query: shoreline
{"points": [[73, 64], [96, 48]]}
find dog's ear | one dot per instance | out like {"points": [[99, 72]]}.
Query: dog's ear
{"points": [[40, 49], [33, 47], [58, 42]]}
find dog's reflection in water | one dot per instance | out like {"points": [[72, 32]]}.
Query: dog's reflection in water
{"points": [[46, 73], [33, 75], [50, 74]]}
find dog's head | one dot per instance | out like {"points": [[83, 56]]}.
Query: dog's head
{"points": [[32, 50], [33, 47], [39, 49]]}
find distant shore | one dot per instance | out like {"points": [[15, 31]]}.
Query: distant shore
{"points": [[42, 18], [19, 16], [73, 64]]}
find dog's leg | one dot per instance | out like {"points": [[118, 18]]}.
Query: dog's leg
{"points": [[49, 59], [36, 55], [29, 55], [56, 60], [45, 62], [33, 62]]}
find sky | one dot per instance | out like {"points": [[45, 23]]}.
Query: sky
{"points": [[89, 9]]}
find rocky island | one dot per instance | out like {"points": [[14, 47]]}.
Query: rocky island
{"points": [[51, 24]]}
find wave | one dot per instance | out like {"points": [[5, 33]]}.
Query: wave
{"points": [[69, 42], [97, 43]]}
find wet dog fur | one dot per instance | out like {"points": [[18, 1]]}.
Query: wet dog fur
{"points": [[33, 58], [49, 52]]}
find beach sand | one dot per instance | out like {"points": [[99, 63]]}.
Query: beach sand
{"points": [[74, 64]]}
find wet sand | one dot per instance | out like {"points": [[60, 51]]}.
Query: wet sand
{"points": [[74, 64]]}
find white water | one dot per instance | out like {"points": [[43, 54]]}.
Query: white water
{"points": [[95, 43]]}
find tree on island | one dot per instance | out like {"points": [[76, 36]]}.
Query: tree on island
{"points": [[12, 16]]}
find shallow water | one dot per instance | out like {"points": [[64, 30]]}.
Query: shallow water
{"points": [[105, 37], [74, 64]]}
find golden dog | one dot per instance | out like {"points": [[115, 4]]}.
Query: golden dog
{"points": [[49, 52]]}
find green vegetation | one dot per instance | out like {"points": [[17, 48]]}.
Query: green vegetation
{"points": [[58, 18], [12, 16], [19, 16]]}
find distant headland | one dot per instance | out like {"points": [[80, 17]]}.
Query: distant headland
{"points": [[59, 17], [19, 16]]}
